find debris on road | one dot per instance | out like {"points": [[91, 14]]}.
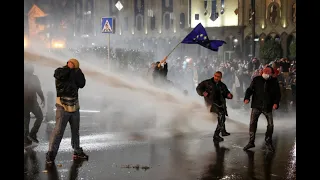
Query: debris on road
{"points": [[137, 166]]}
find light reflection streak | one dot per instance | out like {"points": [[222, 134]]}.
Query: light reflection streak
{"points": [[292, 165]]}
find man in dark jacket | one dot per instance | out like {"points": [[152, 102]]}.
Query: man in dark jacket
{"points": [[32, 88], [160, 72], [215, 92], [265, 92], [68, 81]]}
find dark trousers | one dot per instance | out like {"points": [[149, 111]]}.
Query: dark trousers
{"points": [[35, 109], [221, 127], [62, 119], [255, 113]]}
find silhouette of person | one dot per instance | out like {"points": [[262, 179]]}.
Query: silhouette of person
{"points": [[216, 170], [250, 174], [52, 172], [267, 164], [273, 13], [74, 169], [31, 165]]}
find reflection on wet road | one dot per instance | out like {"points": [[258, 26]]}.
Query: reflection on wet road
{"points": [[188, 156]]}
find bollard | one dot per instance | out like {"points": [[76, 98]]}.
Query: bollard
{"points": [[50, 106]]}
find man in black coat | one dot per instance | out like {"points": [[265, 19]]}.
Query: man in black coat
{"points": [[215, 92], [32, 88], [160, 72], [265, 92], [69, 79]]}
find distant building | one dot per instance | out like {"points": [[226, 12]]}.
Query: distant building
{"points": [[49, 21], [161, 24], [155, 23]]}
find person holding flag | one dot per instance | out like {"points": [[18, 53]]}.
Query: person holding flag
{"points": [[160, 71]]}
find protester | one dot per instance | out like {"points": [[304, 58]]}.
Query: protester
{"points": [[160, 72], [69, 79], [32, 88], [215, 92], [265, 92]]}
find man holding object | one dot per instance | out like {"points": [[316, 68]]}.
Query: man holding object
{"points": [[215, 92], [265, 92]]}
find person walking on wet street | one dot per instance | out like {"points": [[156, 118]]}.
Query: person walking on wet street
{"points": [[265, 92], [69, 79], [215, 92], [32, 88]]}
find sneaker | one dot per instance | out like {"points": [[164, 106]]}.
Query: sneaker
{"points": [[80, 155], [270, 147], [27, 143], [248, 146], [33, 138], [217, 139], [225, 133], [49, 158]]}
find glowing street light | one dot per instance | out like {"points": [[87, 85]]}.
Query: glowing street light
{"points": [[58, 45], [25, 42]]}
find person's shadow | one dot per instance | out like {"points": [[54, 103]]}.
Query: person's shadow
{"points": [[250, 173], [52, 172], [31, 165], [74, 169], [267, 165], [216, 170]]}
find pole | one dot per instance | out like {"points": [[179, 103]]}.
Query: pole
{"points": [[173, 49], [109, 51], [253, 16]]}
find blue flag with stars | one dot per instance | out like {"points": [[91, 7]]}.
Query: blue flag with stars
{"points": [[199, 36]]}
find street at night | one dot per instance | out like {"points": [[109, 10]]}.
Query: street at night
{"points": [[120, 155], [159, 90]]}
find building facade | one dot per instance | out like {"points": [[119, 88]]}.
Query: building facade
{"points": [[163, 21], [161, 24]]}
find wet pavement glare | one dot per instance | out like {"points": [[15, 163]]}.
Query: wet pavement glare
{"points": [[185, 157]]}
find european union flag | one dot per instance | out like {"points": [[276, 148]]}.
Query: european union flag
{"points": [[199, 36]]}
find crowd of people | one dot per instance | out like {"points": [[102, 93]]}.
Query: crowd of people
{"points": [[185, 72], [268, 85]]}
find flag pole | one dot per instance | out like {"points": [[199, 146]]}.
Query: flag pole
{"points": [[173, 49]]}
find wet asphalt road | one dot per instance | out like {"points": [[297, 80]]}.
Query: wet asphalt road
{"points": [[184, 157]]}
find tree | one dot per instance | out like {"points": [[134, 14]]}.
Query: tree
{"points": [[292, 49], [270, 50]]}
